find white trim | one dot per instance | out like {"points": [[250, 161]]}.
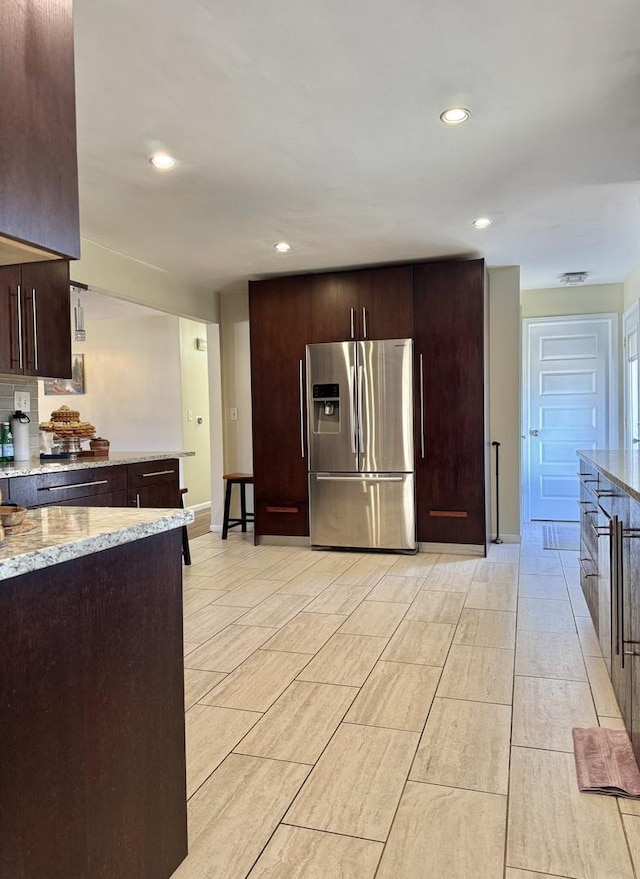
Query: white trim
{"points": [[197, 507], [612, 318], [633, 310]]}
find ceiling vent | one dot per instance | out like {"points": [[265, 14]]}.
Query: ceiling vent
{"points": [[573, 278]]}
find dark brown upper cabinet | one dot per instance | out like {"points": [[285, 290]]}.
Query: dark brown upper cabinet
{"points": [[39, 180], [365, 304], [35, 325]]}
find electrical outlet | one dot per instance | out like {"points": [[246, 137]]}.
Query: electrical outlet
{"points": [[22, 401], [233, 413]]}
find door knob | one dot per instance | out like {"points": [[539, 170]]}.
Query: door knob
{"points": [[534, 432]]}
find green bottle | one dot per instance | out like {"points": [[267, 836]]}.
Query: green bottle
{"points": [[7, 443]]}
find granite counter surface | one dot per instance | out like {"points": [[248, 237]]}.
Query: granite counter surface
{"points": [[35, 465], [64, 533], [621, 467]]}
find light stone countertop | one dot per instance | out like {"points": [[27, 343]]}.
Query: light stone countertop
{"points": [[35, 465], [64, 533], [620, 467]]}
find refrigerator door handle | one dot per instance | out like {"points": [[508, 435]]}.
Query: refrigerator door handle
{"points": [[352, 414], [360, 405], [360, 477], [301, 393]]}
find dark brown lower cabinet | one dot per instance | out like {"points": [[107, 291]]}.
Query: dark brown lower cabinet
{"points": [[92, 775]]}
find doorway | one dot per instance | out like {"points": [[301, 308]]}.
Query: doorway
{"points": [[570, 402]]}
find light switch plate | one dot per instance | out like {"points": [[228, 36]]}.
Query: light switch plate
{"points": [[233, 413], [22, 401]]}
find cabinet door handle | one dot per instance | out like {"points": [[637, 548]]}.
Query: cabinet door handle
{"points": [[352, 329], [364, 322], [35, 326], [137, 499], [19, 305], [421, 406], [74, 485], [618, 579], [301, 396], [157, 473]]}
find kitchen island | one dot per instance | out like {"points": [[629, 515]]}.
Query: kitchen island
{"points": [[92, 766]]}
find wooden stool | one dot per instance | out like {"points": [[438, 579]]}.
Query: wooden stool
{"points": [[186, 552], [241, 479]]}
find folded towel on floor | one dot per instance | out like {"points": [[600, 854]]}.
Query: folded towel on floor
{"points": [[605, 762]]}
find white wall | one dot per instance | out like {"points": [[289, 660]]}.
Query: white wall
{"points": [[132, 378], [128, 278], [632, 288], [504, 395], [195, 405]]}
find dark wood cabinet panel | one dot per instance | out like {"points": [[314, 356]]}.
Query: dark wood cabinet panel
{"points": [[280, 327], [385, 303], [334, 307], [449, 337], [92, 776], [67, 487], [39, 180], [47, 322], [154, 484], [35, 332]]}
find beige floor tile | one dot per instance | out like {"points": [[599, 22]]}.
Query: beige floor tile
{"points": [[345, 659], [306, 633], [299, 725], [495, 572], [275, 611], [299, 853], [396, 695], [450, 575], [258, 682], [424, 643], [588, 638], [226, 650], [477, 674], [197, 684], [355, 787], [542, 615], [540, 564], [189, 646], [250, 593], [338, 599], [396, 588], [310, 583], [611, 722], [632, 830], [361, 574], [526, 874], [505, 553], [465, 744], [582, 833], [234, 813], [486, 628], [375, 618], [211, 734], [436, 607], [219, 581], [445, 832], [603, 695], [578, 604], [492, 596], [193, 599], [550, 655], [338, 562], [546, 710], [286, 569], [208, 621], [418, 565], [572, 576], [570, 558], [543, 586]]}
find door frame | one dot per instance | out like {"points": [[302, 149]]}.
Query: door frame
{"points": [[625, 378], [613, 321]]}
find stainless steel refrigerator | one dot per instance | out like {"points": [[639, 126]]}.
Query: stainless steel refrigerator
{"points": [[360, 429]]}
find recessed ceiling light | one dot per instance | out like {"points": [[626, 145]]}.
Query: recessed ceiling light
{"points": [[282, 247], [482, 222], [162, 161], [455, 116]]}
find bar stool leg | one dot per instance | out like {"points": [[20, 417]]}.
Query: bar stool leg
{"points": [[227, 506], [243, 506]]}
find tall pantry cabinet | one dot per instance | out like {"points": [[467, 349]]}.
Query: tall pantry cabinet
{"points": [[441, 306]]}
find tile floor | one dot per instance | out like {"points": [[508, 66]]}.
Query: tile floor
{"points": [[352, 716]]}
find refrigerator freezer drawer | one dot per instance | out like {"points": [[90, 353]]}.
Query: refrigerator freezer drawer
{"points": [[363, 511]]}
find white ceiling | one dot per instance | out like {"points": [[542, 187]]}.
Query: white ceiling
{"points": [[316, 122]]}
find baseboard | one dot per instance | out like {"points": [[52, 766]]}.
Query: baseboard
{"points": [[197, 507], [508, 538], [470, 549]]}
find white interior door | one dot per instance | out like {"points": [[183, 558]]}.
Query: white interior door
{"points": [[570, 404], [631, 387]]}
